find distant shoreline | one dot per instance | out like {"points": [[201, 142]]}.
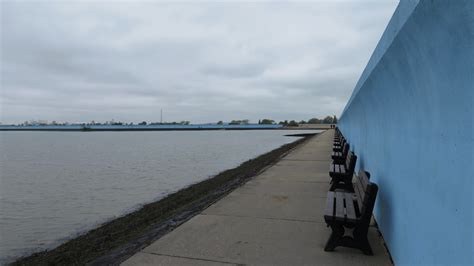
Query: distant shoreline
{"points": [[89, 128], [118, 239]]}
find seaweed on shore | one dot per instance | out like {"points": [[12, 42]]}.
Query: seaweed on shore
{"points": [[118, 239]]}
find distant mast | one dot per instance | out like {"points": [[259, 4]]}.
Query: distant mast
{"points": [[161, 116]]}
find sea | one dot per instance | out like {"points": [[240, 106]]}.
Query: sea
{"points": [[57, 185]]}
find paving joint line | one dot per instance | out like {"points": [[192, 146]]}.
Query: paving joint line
{"points": [[296, 181], [273, 194], [301, 160], [191, 258], [263, 218]]}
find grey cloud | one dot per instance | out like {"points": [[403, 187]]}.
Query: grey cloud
{"points": [[200, 62], [234, 71]]}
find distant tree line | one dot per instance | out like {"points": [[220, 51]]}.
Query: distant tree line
{"points": [[265, 121], [239, 122], [143, 123], [326, 120], [292, 123]]}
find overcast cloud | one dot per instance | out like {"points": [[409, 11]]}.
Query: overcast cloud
{"points": [[202, 62]]}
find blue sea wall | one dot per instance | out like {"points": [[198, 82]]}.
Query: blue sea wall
{"points": [[410, 121]]}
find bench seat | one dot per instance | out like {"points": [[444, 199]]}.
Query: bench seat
{"points": [[340, 207], [337, 169]]}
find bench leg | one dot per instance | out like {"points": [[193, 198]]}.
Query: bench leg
{"points": [[334, 239], [359, 240], [360, 237]]}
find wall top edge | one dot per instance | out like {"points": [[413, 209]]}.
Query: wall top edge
{"points": [[401, 14]]}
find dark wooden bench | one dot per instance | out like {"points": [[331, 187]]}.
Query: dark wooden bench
{"points": [[339, 157], [351, 210], [338, 146], [341, 174], [338, 142]]}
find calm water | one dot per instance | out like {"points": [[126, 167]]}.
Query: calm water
{"points": [[55, 185]]}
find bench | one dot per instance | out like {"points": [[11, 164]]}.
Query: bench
{"points": [[338, 138], [341, 174], [339, 142], [338, 146], [351, 210], [339, 157]]}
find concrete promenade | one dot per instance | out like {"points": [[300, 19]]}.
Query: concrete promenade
{"points": [[274, 219]]}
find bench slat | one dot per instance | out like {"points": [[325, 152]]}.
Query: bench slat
{"points": [[340, 206], [351, 214], [349, 158], [359, 194], [330, 202], [363, 179], [342, 169], [361, 189], [359, 185]]}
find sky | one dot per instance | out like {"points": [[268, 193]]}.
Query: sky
{"points": [[197, 61]]}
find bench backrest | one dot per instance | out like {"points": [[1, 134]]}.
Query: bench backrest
{"points": [[345, 150], [367, 191], [351, 160]]}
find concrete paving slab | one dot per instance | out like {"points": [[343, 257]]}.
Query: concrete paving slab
{"points": [[298, 171], [313, 157], [277, 206], [321, 143], [314, 150], [311, 154], [298, 177], [303, 167], [288, 188]]}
